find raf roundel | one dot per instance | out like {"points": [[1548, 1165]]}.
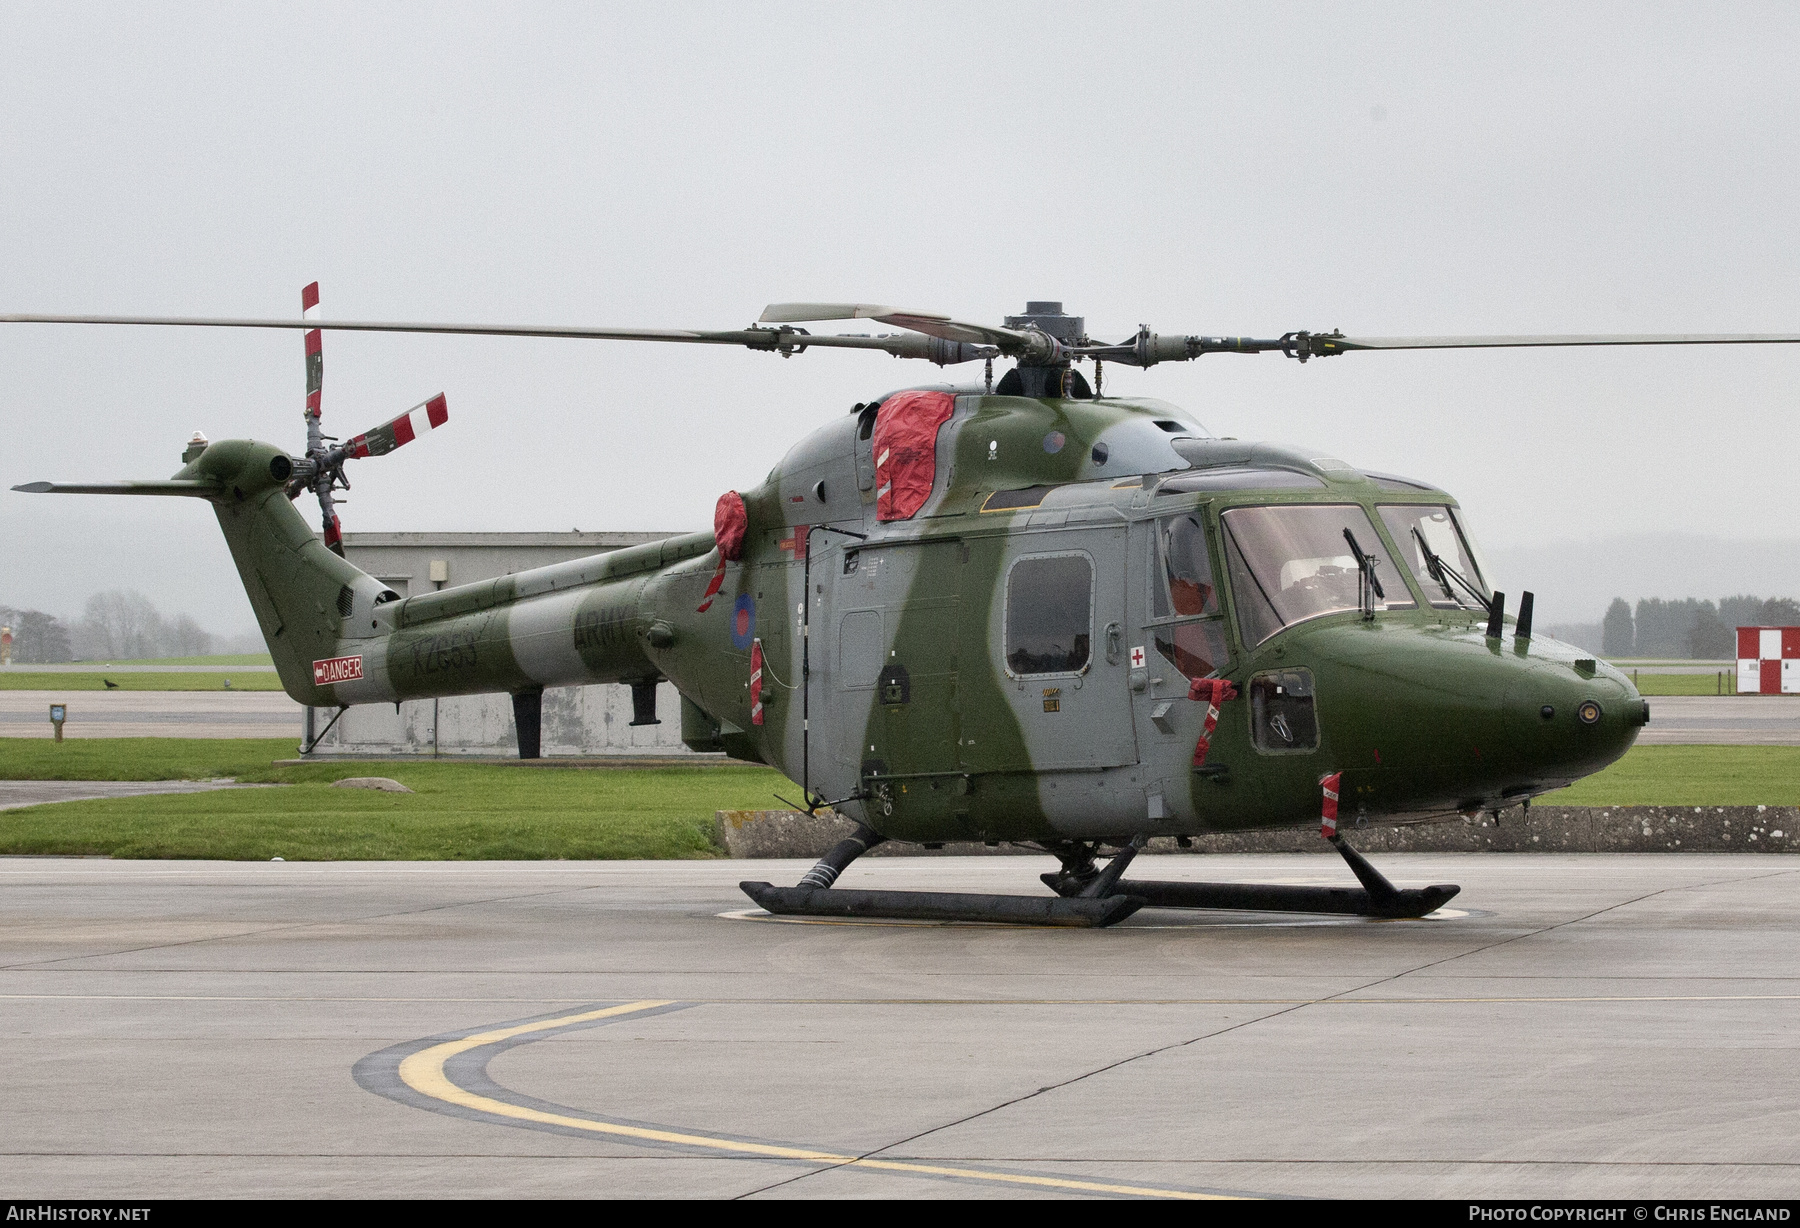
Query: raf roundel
{"points": [[743, 621]]}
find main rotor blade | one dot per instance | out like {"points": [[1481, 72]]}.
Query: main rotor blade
{"points": [[931, 323], [740, 337], [1549, 339], [776, 340], [808, 313], [1148, 348]]}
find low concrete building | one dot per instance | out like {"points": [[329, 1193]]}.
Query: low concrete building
{"points": [[414, 563], [591, 720]]}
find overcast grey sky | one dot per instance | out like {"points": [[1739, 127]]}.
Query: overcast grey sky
{"points": [[1218, 169]]}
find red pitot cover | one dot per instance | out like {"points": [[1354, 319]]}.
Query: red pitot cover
{"points": [[906, 430], [756, 666], [730, 522], [1328, 808], [1213, 692]]}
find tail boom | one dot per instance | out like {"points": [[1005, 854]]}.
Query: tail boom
{"points": [[340, 636]]}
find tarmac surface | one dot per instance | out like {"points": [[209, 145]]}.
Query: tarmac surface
{"points": [[1765, 720], [107, 667], [16, 794], [1585, 1025], [152, 714], [1732, 720]]}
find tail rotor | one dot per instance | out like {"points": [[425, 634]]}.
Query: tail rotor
{"points": [[321, 470]]}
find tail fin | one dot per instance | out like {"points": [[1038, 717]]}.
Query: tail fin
{"points": [[305, 597]]}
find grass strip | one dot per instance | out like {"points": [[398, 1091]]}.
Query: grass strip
{"points": [[1682, 684], [223, 660], [457, 811], [249, 759], [18, 680], [463, 811], [1691, 776]]}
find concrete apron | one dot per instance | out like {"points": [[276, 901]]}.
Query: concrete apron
{"points": [[1544, 829]]}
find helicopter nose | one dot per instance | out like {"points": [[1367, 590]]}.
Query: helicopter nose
{"points": [[1581, 720]]}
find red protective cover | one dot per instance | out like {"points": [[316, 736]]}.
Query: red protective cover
{"points": [[906, 430], [756, 708], [1331, 786], [1212, 692], [730, 522]]}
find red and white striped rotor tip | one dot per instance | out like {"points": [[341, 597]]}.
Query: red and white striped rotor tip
{"points": [[402, 430], [315, 357]]}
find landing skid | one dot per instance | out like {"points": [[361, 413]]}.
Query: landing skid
{"points": [[1087, 895], [940, 905], [1375, 898]]}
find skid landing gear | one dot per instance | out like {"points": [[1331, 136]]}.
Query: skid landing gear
{"points": [[816, 897], [1086, 894], [1375, 898]]}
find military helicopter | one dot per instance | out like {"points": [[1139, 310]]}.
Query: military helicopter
{"points": [[1046, 616]]}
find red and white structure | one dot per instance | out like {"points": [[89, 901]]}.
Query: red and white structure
{"points": [[1768, 661]]}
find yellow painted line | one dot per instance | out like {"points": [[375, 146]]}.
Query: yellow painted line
{"points": [[424, 1073]]}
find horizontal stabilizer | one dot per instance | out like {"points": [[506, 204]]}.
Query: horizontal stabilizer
{"points": [[174, 486]]}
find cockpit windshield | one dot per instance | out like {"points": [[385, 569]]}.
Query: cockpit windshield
{"points": [[1293, 562], [1434, 545]]}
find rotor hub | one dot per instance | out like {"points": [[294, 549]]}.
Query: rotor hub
{"points": [[1048, 317]]}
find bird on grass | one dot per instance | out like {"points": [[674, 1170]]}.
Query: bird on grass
{"points": [[110, 684]]}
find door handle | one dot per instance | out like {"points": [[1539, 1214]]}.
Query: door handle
{"points": [[1115, 643]]}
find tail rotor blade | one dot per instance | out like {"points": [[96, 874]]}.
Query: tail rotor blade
{"points": [[399, 431], [327, 474], [315, 356]]}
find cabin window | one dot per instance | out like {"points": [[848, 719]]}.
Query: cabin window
{"points": [[1049, 614], [1292, 562], [1420, 527], [1281, 711], [1185, 588]]}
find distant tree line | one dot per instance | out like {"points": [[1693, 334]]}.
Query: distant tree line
{"points": [[119, 625], [38, 638], [1689, 628]]}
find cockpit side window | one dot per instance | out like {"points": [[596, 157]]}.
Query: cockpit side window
{"points": [[1187, 567], [1292, 562], [1434, 546], [1190, 630]]}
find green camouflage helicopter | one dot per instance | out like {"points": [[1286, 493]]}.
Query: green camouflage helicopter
{"points": [[1046, 616]]}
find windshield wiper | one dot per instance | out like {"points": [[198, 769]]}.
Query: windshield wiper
{"points": [[1439, 569], [1365, 566]]}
